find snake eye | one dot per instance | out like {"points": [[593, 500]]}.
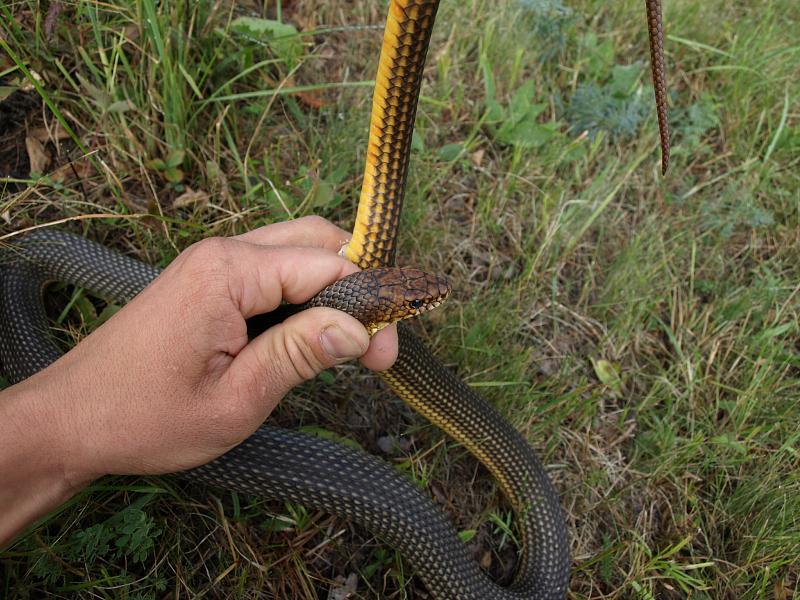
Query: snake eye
{"points": [[416, 303]]}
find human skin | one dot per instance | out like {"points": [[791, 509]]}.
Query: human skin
{"points": [[171, 381]]}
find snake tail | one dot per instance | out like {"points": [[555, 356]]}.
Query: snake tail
{"points": [[394, 106], [655, 31]]}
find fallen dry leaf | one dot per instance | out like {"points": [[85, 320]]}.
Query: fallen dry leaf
{"points": [[780, 590], [191, 198], [43, 134], [131, 32], [6, 91], [312, 99], [346, 591], [37, 155], [79, 169]]}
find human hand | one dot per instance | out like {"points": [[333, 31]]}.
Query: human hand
{"points": [[171, 382]]}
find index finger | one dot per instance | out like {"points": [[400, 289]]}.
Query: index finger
{"points": [[311, 232], [259, 277]]}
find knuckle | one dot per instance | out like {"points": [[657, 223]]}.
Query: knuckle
{"points": [[316, 221], [210, 252], [302, 359], [205, 267]]}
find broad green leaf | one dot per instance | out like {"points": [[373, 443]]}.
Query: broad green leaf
{"points": [[85, 308], [450, 152], [777, 331], [109, 311], [728, 440], [529, 134], [608, 374], [467, 535], [120, 106], [326, 377], [6, 91], [494, 112], [323, 194], [175, 158], [522, 102], [173, 175], [599, 56], [281, 37], [417, 143], [624, 79], [156, 164]]}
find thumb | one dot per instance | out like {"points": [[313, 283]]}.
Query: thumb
{"points": [[296, 350]]}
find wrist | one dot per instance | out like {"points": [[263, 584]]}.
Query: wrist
{"points": [[38, 456]]}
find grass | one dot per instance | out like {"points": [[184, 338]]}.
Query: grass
{"points": [[642, 332]]}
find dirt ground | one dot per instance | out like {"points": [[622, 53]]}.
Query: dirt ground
{"points": [[18, 112]]}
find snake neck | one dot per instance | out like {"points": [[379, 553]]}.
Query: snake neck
{"points": [[394, 107]]}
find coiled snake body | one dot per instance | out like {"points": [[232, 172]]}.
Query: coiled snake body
{"points": [[320, 473]]}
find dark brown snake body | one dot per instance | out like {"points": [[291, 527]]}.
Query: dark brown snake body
{"points": [[319, 473]]}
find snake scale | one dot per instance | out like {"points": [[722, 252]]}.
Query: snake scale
{"points": [[320, 473]]}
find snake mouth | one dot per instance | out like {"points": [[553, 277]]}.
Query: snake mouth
{"points": [[373, 328], [430, 306]]}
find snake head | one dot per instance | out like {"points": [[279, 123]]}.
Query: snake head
{"points": [[382, 296], [406, 293]]}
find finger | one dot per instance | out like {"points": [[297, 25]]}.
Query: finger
{"points": [[311, 231], [258, 277], [296, 350], [382, 350]]}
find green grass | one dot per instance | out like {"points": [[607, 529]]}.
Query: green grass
{"points": [[641, 331]]}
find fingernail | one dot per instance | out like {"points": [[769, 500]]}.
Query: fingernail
{"points": [[339, 344]]}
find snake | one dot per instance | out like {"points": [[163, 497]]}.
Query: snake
{"points": [[321, 473]]}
